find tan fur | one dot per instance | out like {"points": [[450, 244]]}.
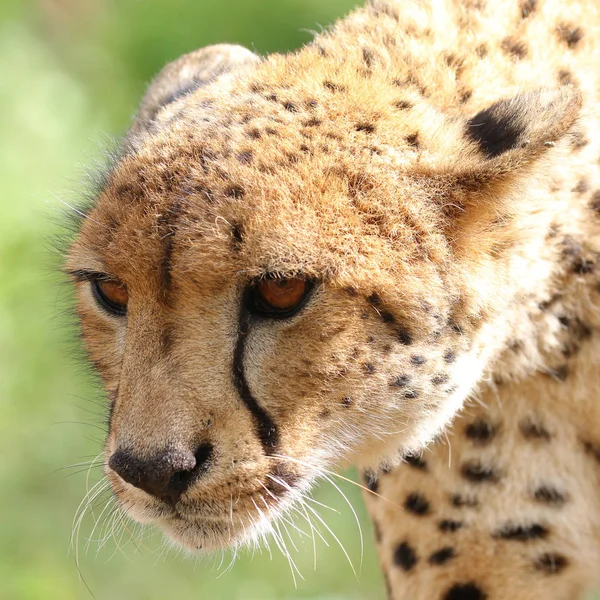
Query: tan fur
{"points": [[445, 269]]}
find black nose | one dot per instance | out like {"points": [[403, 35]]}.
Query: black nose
{"points": [[165, 475]]}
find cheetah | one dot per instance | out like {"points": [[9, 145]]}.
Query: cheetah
{"points": [[380, 250]]}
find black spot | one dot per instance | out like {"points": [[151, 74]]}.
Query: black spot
{"points": [[559, 373], [465, 591], [527, 7], [405, 557], [413, 140], [416, 504], [549, 495], [592, 449], [450, 526], [476, 472], [582, 186], [417, 359], [402, 104], [237, 233], [312, 122], [401, 381], [371, 481], [404, 336], [480, 431], [465, 96], [496, 129], [522, 533], [533, 429], [450, 356], [410, 394], [254, 133], [460, 501], [595, 201], [482, 50], [334, 87], [415, 461], [368, 368], [312, 103], [244, 157], [565, 77], [569, 34], [234, 191], [347, 401], [368, 56], [516, 48], [442, 556], [440, 379], [551, 563], [366, 127], [290, 107]]}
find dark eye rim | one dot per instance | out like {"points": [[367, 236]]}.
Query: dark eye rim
{"points": [[258, 307], [112, 308]]}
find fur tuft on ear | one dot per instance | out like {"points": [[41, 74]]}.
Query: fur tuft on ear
{"points": [[183, 76], [525, 124]]}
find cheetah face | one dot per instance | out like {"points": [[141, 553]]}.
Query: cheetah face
{"points": [[258, 315]]}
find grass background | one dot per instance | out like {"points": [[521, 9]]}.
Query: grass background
{"points": [[72, 72]]}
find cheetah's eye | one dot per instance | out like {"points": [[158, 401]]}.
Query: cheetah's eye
{"points": [[111, 295], [278, 298]]}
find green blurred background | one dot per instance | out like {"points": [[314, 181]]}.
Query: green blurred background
{"points": [[72, 72]]}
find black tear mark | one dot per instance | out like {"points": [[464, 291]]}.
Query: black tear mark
{"points": [[442, 556], [450, 525], [549, 495], [465, 591], [266, 429], [496, 129], [416, 504], [405, 557], [476, 472], [480, 432], [533, 429], [167, 226], [551, 563], [522, 533]]}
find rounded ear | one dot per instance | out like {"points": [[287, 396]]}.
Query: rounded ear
{"points": [[526, 124], [183, 76]]}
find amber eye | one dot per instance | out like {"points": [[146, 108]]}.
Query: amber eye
{"points": [[111, 295], [279, 297]]}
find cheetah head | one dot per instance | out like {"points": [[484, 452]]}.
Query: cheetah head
{"points": [[284, 271]]}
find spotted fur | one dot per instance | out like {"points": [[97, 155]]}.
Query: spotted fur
{"points": [[433, 169]]}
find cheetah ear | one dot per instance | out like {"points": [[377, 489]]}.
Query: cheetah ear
{"points": [[183, 76], [517, 130], [508, 146]]}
